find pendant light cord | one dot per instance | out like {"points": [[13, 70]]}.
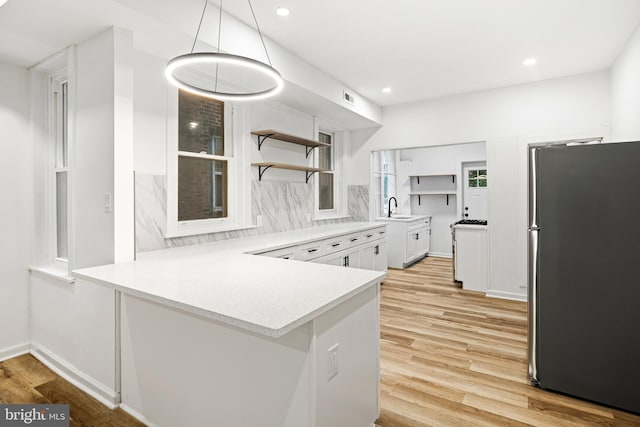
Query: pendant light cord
{"points": [[260, 33], [195, 39]]}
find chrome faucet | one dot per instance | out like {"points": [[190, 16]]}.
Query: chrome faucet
{"points": [[396, 203]]}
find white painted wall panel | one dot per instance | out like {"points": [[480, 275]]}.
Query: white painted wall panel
{"points": [[16, 207]]}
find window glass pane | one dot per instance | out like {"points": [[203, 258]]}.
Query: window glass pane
{"points": [[482, 182], [65, 124], [473, 183], [482, 173], [62, 249], [324, 153], [473, 174], [326, 191], [200, 124], [202, 188]]}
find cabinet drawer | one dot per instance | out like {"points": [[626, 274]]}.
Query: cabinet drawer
{"points": [[309, 251], [353, 239], [335, 244]]}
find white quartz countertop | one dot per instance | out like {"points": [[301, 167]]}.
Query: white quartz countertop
{"points": [[224, 282], [401, 218]]}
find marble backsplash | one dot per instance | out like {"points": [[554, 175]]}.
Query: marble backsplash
{"points": [[283, 206]]}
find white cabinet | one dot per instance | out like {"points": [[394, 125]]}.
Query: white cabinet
{"points": [[345, 258], [373, 256], [470, 242], [363, 249], [408, 239]]}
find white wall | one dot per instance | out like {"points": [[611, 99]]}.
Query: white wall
{"points": [[16, 166], [625, 92], [502, 118], [103, 94]]}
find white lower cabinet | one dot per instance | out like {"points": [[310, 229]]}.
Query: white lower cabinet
{"points": [[373, 256], [365, 249], [408, 240], [346, 258]]}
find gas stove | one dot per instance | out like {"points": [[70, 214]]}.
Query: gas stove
{"points": [[471, 222]]}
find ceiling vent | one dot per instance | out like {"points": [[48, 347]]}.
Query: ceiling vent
{"points": [[348, 98]]}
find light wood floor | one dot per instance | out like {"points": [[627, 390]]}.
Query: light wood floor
{"points": [[455, 358], [448, 358], [26, 380]]}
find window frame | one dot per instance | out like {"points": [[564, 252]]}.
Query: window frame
{"points": [[339, 141], [380, 172], [238, 174], [58, 136]]}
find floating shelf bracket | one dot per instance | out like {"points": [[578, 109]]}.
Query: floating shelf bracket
{"points": [[309, 150], [309, 174], [262, 139], [262, 170]]}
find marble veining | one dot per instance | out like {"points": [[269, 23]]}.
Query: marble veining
{"points": [[358, 202], [283, 206]]}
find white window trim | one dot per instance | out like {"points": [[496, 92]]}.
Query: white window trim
{"points": [[339, 144], [238, 174]]}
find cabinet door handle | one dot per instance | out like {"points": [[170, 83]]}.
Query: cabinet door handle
{"points": [[312, 250], [376, 250], [335, 245], [369, 235], [417, 236], [354, 239]]}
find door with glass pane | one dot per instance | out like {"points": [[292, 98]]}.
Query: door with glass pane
{"points": [[475, 192]]}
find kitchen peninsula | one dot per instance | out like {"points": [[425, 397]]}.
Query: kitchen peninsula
{"points": [[213, 334]]}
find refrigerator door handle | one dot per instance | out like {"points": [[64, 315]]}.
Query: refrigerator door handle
{"points": [[533, 231], [533, 304]]}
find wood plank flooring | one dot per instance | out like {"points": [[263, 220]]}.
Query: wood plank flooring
{"points": [[448, 358], [455, 358], [25, 379]]}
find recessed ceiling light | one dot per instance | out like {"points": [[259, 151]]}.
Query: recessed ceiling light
{"points": [[282, 11], [386, 89], [529, 62], [193, 125]]}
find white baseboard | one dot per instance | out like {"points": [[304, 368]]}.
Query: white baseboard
{"points": [[507, 295], [137, 415], [94, 388], [439, 255], [15, 351]]}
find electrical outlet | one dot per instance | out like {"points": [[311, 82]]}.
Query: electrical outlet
{"points": [[332, 362], [259, 221]]}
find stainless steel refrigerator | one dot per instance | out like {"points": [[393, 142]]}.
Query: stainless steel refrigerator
{"points": [[584, 271]]}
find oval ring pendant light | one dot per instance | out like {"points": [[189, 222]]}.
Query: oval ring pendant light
{"points": [[218, 59]]}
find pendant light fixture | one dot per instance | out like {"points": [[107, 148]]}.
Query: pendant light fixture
{"points": [[192, 71]]}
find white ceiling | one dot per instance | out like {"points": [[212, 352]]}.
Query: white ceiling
{"points": [[420, 48]]}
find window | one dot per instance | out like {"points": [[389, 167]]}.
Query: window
{"points": [[208, 188], [202, 164], [477, 178], [384, 172], [325, 161], [330, 186], [59, 132]]}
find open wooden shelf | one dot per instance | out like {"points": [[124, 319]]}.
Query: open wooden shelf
{"points": [[263, 166], [263, 135]]}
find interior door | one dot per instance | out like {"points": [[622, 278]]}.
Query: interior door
{"points": [[475, 192]]}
